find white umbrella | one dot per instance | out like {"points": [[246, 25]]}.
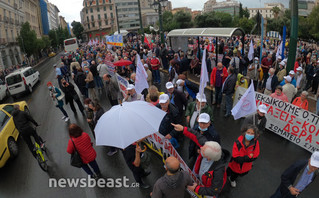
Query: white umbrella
{"points": [[124, 124]]}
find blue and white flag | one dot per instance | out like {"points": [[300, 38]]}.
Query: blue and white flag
{"points": [[251, 51], [141, 76], [246, 105]]}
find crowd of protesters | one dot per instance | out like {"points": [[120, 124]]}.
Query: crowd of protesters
{"points": [[188, 114]]}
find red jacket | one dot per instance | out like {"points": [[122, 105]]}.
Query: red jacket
{"points": [[84, 147], [155, 61], [215, 178], [241, 161], [213, 75]]}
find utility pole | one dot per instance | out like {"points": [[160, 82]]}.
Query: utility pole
{"points": [[293, 35], [161, 22], [140, 15]]}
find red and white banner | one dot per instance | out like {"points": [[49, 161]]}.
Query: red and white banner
{"points": [[289, 121]]}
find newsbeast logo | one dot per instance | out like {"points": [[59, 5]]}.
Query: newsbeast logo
{"points": [[90, 182]]}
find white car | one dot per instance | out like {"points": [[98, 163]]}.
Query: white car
{"points": [[3, 90], [22, 80]]}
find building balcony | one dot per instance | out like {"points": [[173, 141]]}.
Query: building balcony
{"points": [[4, 41]]}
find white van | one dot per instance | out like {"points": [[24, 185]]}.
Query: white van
{"points": [[22, 80], [71, 45], [3, 90]]}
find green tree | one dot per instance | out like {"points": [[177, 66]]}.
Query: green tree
{"points": [[313, 22], [77, 29], [27, 39], [246, 24], [53, 38], [183, 19], [246, 13], [241, 11], [276, 11], [214, 19], [46, 41]]}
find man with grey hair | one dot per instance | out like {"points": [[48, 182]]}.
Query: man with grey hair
{"points": [[271, 82], [302, 101], [173, 183], [210, 167]]}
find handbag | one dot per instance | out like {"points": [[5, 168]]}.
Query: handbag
{"points": [[76, 160]]}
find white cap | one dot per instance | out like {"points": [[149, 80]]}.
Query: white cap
{"points": [[130, 87], [262, 108], [299, 69], [169, 85], [282, 63], [256, 58], [279, 57], [163, 98], [318, 61], [288, 78], [314, 160], [292, 72], [204, 117], [201, 99], [145, 65], [179, 81]]}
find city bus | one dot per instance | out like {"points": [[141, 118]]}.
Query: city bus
{"points": [[71, 45]]}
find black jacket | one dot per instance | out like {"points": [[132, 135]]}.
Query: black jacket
{"points": [[171, 117], [80, 79], [69, 92], [97, 115], [274, 83], [229, 84], [21, 120], [180, 100], [210, 135], [291, 176]]}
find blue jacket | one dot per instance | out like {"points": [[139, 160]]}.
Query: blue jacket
{"points": [[293, 82]]}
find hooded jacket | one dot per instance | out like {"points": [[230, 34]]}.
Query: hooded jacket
{"points": [[215, 178], [21, 120], [172, 186]]}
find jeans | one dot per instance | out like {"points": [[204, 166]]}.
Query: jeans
{"points": [[63, 111], [229, 103], [279, 195], [157, 76], [218, 95], [98, 81], [93, 165]]}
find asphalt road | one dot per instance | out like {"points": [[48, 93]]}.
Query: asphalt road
{"points": [[22, 177]]}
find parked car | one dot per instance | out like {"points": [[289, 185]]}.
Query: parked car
{"points": [[22, 80], [3, 90], [8, 132]]}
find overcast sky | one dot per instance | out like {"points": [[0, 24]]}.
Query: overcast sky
{"points": [[70, 9]]}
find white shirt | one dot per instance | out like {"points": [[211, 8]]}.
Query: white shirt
{"points": [[204, 167]]}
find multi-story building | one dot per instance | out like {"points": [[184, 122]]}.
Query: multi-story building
{"points": [[128, 14], [149, 15], [11, 19], [184, 9], [63, 23], [228, 6], [31, 9], [304, 7], [266, 12], [196, 13], [53, 15], [98, 18]]}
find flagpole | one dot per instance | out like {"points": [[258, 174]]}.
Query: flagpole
{"points": [[261, 40]]}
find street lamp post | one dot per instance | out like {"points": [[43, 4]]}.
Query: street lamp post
{"points": [[117, 20], [160, 4]]}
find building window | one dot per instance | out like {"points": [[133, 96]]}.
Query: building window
{"points": [[100, 24], [87, 18], [111, 15], [91, 10], [86, 11], [110, 1], [111, 7], [104, 8], [103, 1], [99, 16], [106, 22], [98, 9], [88, 26], [105, 16], [86, 5], [92, 18]]}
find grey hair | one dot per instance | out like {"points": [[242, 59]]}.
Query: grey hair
{"points": [[213, 150], [305, 93]]}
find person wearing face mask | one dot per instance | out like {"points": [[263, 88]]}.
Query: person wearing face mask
{"points": [[217, 78], [241, 82], [155, 64], [90, 83], [282, 71], [245, 151], [57, 95], [112, 89], [270, 83], [203, 131], [253, 72], [300, 81], [258, 119], [266, 64]]}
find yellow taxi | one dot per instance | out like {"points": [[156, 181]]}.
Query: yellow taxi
{"points": [[8, 132], [52, 54]]}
